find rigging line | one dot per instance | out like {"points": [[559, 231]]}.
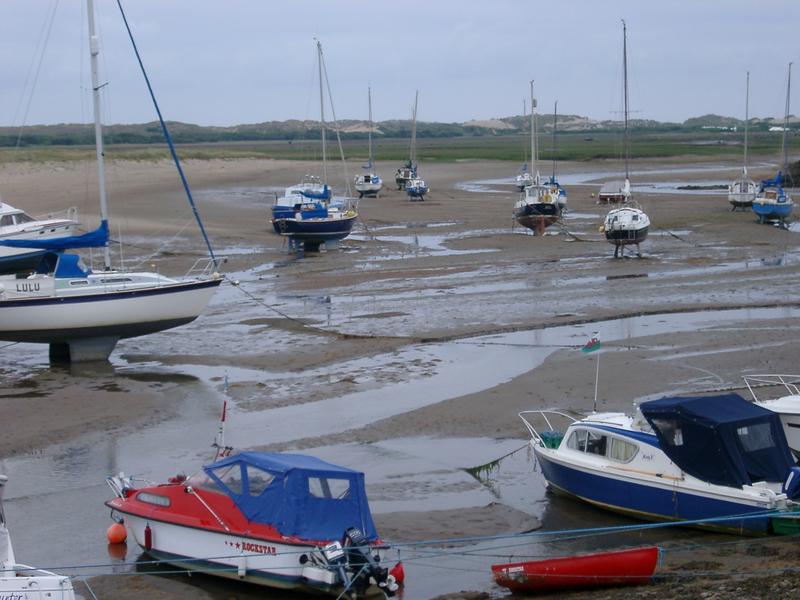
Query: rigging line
{"points": [[44, 38], [168, 138], [339, 334], [336, 122]]}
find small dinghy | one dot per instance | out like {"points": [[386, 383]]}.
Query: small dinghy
{"points": [[623, 567]]}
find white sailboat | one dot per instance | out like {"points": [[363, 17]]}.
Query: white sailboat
{"points": [[369, 183], [742, 191], [23, 582], [82, 314], [626, 225]]}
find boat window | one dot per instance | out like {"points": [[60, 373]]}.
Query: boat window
{"points": [[23, 218], [116, 280], [328, 487], [670, 431], [622, 451], [577, 441], [79, 282], [257, 480], [152, 499], [231, 476], [596, 443], [202, 481], [6, 220], [756, 437]]}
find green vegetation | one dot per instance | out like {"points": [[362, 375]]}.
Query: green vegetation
{"points": [[575, 146]]}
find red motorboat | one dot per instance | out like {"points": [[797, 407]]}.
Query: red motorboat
{"points": [[623, 567]]}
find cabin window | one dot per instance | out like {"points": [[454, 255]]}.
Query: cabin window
{"points": [[6, 220], [79, 282], [755, 437], [23, 218], [577, 441], [596, 443], [622, 451], [116, 280], [204, 482], [670, 431], [257, 480], [231, 476], [152, 499], [328, 487]]}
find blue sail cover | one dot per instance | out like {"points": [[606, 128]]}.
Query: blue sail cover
{"points": [[776, 181], [305, 497], [325, 195], [721, 439], [91, 239]]}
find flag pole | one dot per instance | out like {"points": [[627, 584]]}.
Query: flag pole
{"points": [[596, 379]]}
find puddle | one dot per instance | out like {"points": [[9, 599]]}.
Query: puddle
{"points": [[59, 491], [638, 181]]}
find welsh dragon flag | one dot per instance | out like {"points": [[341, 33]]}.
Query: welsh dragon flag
{"points": [[592, 345]]}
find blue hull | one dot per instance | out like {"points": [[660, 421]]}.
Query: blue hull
{"points": [[650, 503], [315, 232], [772, 211]]}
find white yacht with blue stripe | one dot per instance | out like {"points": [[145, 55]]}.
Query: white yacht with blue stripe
{"points": [[678, 459]]}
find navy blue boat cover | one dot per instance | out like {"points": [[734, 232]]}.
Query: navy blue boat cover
{"points": [[721, 439], [306, 497]]}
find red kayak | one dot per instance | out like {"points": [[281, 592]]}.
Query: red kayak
{"points": [[624, 567]]}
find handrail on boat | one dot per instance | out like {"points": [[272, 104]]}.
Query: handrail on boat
{"points": [[542, 413], [206, 266], [789, 382]]}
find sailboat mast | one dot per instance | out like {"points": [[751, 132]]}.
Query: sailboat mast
{"points": [[94, 50], [555, 126], [369, 133], [534, 153], [626, 140], [413, 154], [322, 115], [525, 144], [746, 119], [784, 147]]}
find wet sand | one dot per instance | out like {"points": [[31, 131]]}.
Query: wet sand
{"points": [[413, 275]]}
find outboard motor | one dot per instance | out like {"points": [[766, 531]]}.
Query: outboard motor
{"points": [[791, 487], [364, 569]]}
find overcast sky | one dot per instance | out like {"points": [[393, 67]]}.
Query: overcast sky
{"points": [[225, 62]]}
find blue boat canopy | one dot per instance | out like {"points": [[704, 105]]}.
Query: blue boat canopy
{"points": [[299, 495], [92, 239], [325, 194], [776, 181], [721, 439]]}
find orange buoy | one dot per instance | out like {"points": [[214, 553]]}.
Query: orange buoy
{"points": [[116, 534]]}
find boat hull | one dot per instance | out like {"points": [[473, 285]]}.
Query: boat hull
{"points": [[118, 314], [768, 211], [254, 560], [624, 567], [624, 237], [664, 500], [537, 217], [316, 231]]}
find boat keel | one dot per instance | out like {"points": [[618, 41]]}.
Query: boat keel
{"points": [[82, 350]]}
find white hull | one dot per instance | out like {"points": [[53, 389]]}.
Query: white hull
{"points": [[248, 559], [34, 584], [118, 313], [369, 188]]}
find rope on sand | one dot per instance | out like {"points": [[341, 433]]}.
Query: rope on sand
{"points": [[345, 336]]}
